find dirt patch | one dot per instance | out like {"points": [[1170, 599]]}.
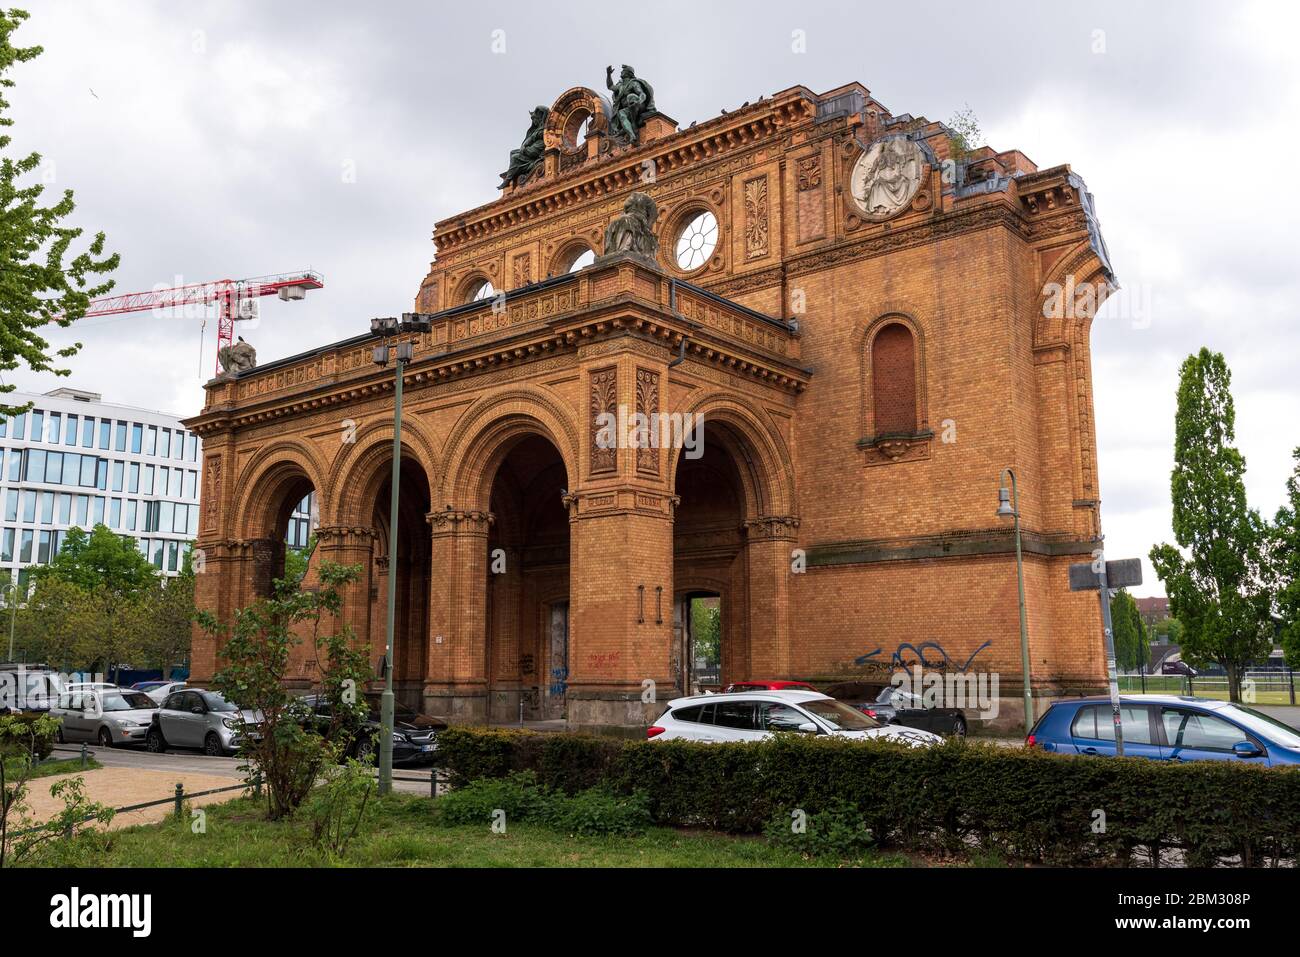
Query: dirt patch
{"points": [[122, 787]]}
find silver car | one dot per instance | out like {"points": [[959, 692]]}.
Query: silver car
{"points": [[106, 716], [194, 718]]}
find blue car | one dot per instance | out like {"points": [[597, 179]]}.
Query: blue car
{"points": [[1167, 728]]}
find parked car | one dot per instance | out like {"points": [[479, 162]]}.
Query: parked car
{"points": [[1167, 728], [754, 716], [890, 705], [762, 685], [104, 716], [194, 718], [1178, 667], [162, 690], [415, 735]]}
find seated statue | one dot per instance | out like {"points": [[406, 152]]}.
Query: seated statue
{"points": [[633, 231], [525, 159], [237, 358]]}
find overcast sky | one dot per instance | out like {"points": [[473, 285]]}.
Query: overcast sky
{"points": [[235, 139]]}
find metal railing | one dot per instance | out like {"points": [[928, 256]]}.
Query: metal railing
{"points": [[1258, 687]]}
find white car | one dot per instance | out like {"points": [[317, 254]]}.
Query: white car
{"points": [[754, 716], [163, 692], [104, 716]]}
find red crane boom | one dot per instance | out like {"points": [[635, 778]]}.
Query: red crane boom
{"points": [[234, 297]]}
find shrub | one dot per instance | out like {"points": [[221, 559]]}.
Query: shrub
{"points": [[518, 795], [960, 796], [595, 811], [838, 831], [27, 734], [600, 811], [338, 805]]}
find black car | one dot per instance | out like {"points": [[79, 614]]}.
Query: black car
{"points": [[415, 736], [890, 705]]}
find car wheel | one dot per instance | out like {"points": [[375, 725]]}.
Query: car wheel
{"points": [[365, 750], [959, 726], [154, 742], [105, 738], [212, 745], [58, 735]]}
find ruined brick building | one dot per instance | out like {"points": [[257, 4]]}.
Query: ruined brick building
{"points": [[855, 306]]}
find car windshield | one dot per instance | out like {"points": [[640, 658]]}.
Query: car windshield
{"points": [[127, 701], [1261, 723], [217, 703], [839, 715]]}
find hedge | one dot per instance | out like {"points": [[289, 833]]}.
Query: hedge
{"points": [[960, 796]]}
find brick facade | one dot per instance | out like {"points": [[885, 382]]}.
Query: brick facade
{"points": [[862, 384]]}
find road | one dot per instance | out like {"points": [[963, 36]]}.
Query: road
{"points": [[406, 780]]}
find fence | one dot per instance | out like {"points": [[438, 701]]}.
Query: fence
{"points": [[1258, 687], [180, 796]]}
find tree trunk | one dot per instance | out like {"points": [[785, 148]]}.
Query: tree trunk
{"points": [[1234, 682]]}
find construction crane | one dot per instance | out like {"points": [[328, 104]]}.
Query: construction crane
{"points": [[236, 299]]}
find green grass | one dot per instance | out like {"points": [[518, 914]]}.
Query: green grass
{"points": [[49, 768], [400, 832]]}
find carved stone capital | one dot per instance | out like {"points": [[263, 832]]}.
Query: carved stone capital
{"points": [[345, 536], [772, 528], [473, 522]]}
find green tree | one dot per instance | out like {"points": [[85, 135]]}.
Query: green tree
{"points": [[50, 625], [1285, 565], [39, 284], [164, 619], [1215, 579], [706, 631], [1170, 630], [296, 561], [963, 134], [1129, 631], [114, 580], [257, 647]]}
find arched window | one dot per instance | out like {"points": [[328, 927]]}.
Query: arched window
{"points": [[893, 381]]}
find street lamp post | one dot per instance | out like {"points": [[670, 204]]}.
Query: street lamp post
{"points": [[403, 352], [13, 615], [1009, 506]]}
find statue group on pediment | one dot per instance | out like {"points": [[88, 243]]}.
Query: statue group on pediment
{"points": [[633, 104]]}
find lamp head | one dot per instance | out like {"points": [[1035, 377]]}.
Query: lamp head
{"points": [[1005, 508]]}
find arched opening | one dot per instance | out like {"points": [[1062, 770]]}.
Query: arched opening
{"points": [[527, 591], [412, 569], [283, 514], [572, 258], [709, 564]]}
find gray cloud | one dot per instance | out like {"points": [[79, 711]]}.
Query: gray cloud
{"points": [[217, 138]]}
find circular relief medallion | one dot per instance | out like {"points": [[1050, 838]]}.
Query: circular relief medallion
{"points": [[886, 177]]}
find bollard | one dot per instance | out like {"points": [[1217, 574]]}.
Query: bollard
{"points": [[433, 782], [180, 798], [83, 755], [67, 831]]}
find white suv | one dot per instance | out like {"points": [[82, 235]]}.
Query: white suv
{"points": [[754, 716]]}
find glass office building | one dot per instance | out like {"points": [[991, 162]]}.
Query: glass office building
{"points": [[73, 461]]}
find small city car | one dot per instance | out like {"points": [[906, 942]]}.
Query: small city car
{"points": [[1167, 728], [754, 716], [194, 718], [104, 716]]}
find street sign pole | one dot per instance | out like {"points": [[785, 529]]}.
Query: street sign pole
{"points": [[1103, 595], [1102, 575]]}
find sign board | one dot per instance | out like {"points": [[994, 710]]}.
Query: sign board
{"points": [[1124, 573]]}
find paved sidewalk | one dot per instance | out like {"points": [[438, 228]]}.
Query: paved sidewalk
{"points": [[124, 786]]}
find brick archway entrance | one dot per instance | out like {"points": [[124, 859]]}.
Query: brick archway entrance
{"points": [[527, 592]]}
